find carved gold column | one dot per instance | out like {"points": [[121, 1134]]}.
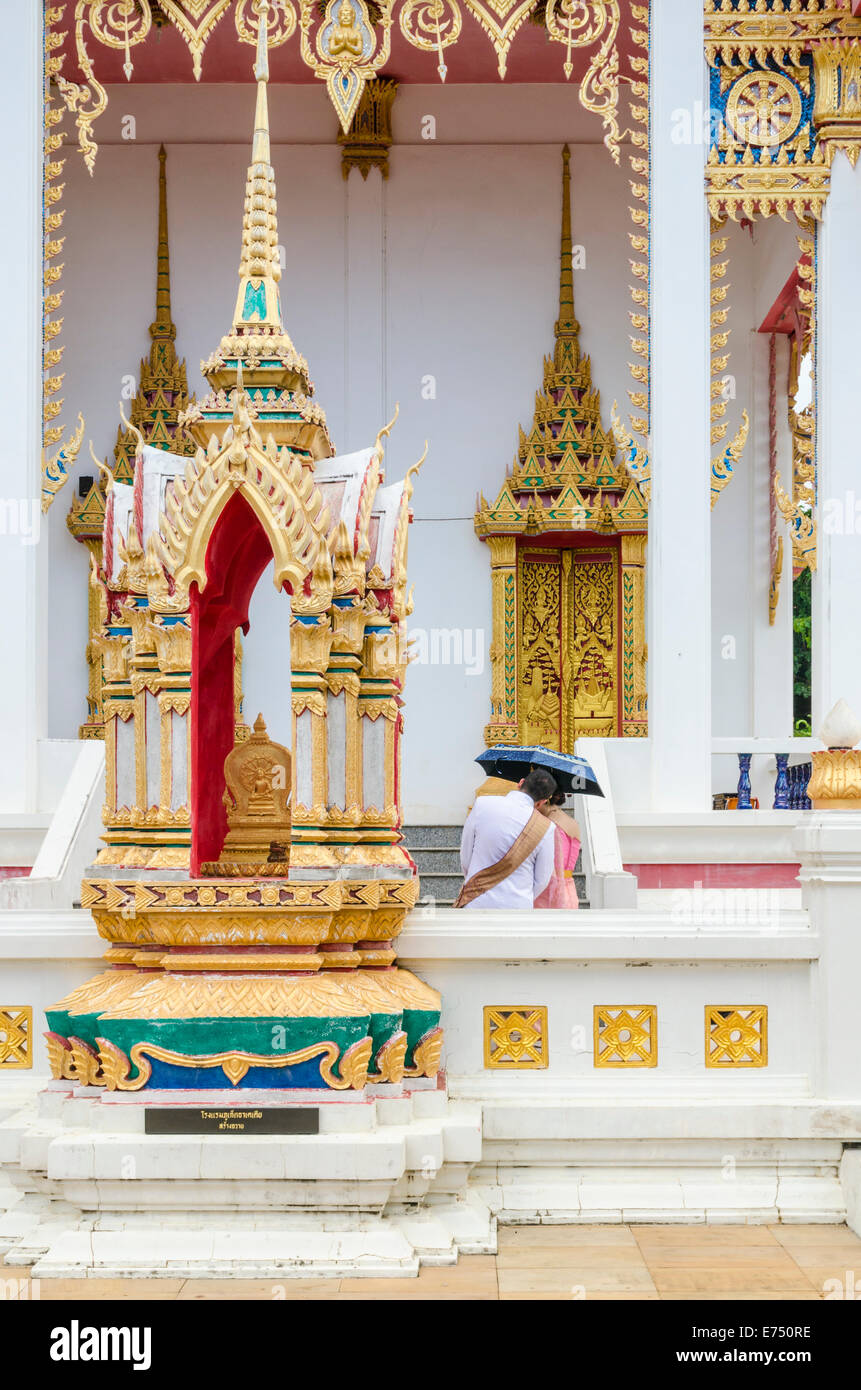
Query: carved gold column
{"points": [[242, 730], [96, 615], [172, 690], [634, 650], [837, 95], [112, 647], [503, 726], [310, 645], [378, 700]]}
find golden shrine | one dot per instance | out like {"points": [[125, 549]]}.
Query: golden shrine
{"points": [[247, 890], [567, 537]]}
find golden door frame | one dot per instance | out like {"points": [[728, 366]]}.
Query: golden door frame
{"points": [[544, 632]]}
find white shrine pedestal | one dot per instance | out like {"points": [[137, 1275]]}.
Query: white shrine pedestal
{"points": [[379, 1191]]}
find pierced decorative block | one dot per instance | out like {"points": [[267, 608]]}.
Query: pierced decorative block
{"points": [[625, 1035], [16, 1036], [515, 1036], [736, 1035]]}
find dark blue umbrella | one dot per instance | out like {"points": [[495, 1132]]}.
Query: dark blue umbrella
{"points": [[572, 774]]}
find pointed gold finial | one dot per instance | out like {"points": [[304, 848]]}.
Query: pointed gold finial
{"points": [[258, 304], [566, 324], [163, 325]]}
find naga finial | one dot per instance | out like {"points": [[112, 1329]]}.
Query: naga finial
{"points": [[387, 429], [133, 429], [102, 467]]}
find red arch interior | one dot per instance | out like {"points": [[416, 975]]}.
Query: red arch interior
{"points": [[237, 554]]}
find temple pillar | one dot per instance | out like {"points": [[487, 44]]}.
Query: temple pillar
{"points": [[679, 551], [365, 406], [23, 561], [836, 655]]}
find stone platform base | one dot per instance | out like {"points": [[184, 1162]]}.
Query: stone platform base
{"points": [[379, 1191], [393, 1180]]}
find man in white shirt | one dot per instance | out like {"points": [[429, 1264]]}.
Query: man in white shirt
{"points": [[506, 854]]}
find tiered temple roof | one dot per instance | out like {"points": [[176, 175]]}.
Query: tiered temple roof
{"points": [[567, 473]]}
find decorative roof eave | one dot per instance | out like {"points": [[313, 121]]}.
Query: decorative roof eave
{"points": [[347, 56], [749, 34], [567, 447], [568, 512]]}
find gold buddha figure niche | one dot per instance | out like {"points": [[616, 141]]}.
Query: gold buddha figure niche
{"points": [[345, 39], [257, 777]]}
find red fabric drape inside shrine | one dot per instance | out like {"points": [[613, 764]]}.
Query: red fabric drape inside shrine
{"points": [[237, 554]]}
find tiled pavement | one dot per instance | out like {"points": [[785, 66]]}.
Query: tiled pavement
{"points": [[696, 1263]]}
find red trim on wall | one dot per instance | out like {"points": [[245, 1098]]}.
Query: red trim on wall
{"points": [[15, 870], [237, 554], [715, 875]]}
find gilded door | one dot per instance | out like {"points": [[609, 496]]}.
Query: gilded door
{"points": [[568, 648]]}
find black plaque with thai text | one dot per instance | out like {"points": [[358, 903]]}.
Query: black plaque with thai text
{"points": [[232, 1120]]}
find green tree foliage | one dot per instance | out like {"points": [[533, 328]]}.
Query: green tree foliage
{"points": [[801, 627]]}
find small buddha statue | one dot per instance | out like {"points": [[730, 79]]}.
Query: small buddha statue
{"points": [[345, 38], [257, 778]]}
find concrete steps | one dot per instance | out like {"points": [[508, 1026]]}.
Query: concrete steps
{"points": [[436, 851]]}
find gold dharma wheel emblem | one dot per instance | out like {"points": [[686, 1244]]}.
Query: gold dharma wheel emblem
{"points": [[763, 108]]}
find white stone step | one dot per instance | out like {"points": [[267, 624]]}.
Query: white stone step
{"points": [[380, 1251]]}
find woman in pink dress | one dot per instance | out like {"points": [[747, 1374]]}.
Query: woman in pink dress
{"points": [[561, 891]]}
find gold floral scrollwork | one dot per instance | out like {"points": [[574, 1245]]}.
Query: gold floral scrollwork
{"points": [[432, 26], [59, 1055], [116, 1066], [426, 1054], [515, 1037], [500, 20], [121, 24], [577, 24], [625, 1036], [118, 24], [724, 465], [280, 21], [640, 237], [346, 51], [195, 20], [16, 1036], [636, 460], [774, 583], [802, 526], [55, 469], [390, 1060], [83, 1064], [736, 1036]]}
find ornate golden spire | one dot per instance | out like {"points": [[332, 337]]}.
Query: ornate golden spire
{"points": [[258, 304], [566, 324], [163, 325], [257, 357]]}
